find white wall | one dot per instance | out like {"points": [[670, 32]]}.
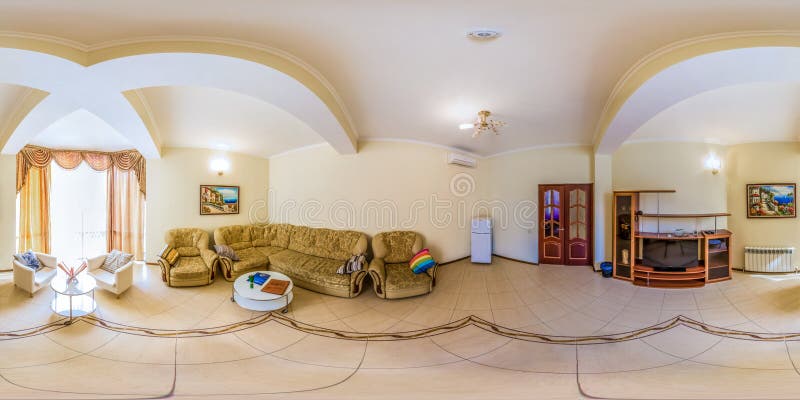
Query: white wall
{"points": [[8, 209], [672, 165], [385, 186], [515, 178], [760, 163], [173, 190]]}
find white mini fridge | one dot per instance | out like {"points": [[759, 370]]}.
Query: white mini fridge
{"points": [[482, 240]]}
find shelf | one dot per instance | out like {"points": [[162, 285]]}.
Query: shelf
{"points": [[689, 270], [705, 215], [666, 236], [647, 191], [718, 232], [717, 251], [655, 276], [670, 284]]}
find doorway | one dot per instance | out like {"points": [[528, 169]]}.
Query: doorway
{"points": [[565, 231]]}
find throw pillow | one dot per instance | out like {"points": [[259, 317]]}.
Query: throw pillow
{"points": [[28, 259], [355, 263], [165, 251], [172, 257], [116, 260], [421, 262], [226, 251]]}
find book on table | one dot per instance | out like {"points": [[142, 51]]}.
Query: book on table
{"points": [[276, 286], [259, 278]]}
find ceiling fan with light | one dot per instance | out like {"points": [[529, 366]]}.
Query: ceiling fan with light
{"points": [[483, 124]]}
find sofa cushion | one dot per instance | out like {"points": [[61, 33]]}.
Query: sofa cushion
{"points": [[233, 235], [399, 276], [186, 237], [267, 251], [189, 268], [317, 270], [395, 246], [188, 251], [249, 258], [325, 243], [276, 235], [28, 259], [116, 260]]}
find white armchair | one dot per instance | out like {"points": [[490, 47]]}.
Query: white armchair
{"points": [[117, 282], [31, 281]]}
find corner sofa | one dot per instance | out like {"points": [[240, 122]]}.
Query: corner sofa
{"points": [[310, 256]]}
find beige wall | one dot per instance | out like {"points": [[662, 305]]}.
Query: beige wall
{"points": [[8, 209], [173, 186], [386, 186], [760, 163], [679, 166], [515, 178]]}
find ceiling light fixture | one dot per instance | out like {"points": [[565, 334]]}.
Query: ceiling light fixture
{"points": [[483, 124], [483, 34]]}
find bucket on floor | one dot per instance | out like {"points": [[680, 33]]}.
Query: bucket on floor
{"points": [[607, 269]]}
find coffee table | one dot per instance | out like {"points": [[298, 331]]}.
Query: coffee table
{"points": [[73, 299], [256, 300]]}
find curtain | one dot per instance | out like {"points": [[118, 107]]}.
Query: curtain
{"points": [[125, 212], [34, 211], [35, 156]]}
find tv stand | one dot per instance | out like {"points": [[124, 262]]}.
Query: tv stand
{"points": [[714, 246]]}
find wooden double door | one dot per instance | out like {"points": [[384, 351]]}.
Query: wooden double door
{"points": [[565, 228]]}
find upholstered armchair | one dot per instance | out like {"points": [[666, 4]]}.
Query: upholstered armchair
{"points": [[31, 281], [196, 263], [116, 282], [391, 275]]}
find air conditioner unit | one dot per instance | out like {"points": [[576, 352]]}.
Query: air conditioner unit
{"points": [[462, 160]]}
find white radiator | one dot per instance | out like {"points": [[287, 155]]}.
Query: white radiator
{"points": [[769, 259]]}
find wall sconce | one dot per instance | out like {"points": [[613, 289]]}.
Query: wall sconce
{"points": [[220, 165], [713, 163]]}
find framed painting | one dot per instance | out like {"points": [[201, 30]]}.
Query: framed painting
{"points": [[771, 200], [219, 200]]}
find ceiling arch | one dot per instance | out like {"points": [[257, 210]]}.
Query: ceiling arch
{"points": [[685, 69], [100, 80]]}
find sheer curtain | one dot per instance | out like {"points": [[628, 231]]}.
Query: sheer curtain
{"points": [[126, 204], [78, 212], [34, 211]]}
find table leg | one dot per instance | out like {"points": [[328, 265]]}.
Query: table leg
{"points": [[70, 309]]}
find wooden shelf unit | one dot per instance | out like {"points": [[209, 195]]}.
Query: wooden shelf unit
{"points": [[715, 264]]}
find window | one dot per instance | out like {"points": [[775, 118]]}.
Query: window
{"points": [[78, 212]]}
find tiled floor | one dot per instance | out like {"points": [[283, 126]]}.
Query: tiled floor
{"points": [[543, 332]]}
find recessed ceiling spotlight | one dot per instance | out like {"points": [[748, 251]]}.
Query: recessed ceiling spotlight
{"points": [[483, 34]]}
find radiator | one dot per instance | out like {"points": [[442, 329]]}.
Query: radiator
{"points": [[769, 259]]}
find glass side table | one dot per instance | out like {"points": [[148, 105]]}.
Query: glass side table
{"points": [[73, 299]]}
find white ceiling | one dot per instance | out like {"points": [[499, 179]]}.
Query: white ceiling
{"points": [[730, 115], [220, 119], [82, 130], [404, 70]]}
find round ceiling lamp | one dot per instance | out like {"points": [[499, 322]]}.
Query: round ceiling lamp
{"points": [[483, 34]]}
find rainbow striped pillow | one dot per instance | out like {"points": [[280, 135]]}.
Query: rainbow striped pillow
{"points": [[421, 262]]}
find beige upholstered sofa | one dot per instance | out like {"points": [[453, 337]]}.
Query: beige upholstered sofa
{"points": [[196, 263], [391, 275], [310, 256]]}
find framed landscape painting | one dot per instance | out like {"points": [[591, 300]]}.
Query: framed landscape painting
{"points": [[771, 200], [219, 200]]}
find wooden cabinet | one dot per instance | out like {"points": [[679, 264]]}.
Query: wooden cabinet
{"points": [[713, 261]]}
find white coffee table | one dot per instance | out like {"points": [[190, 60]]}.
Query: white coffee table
{"points": [[73, 299], [256, 300]]}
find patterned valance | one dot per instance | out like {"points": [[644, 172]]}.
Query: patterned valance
{"points": [[35, 156]]}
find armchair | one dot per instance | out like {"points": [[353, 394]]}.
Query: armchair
{"points": [[196, 263], [115, 282], [31, 281], [391, 275]]}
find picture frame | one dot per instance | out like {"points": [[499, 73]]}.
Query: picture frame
{"points": [[219, 199], [771, 200]]}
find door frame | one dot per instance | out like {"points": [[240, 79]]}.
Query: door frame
{"points": [[565, 226]]}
